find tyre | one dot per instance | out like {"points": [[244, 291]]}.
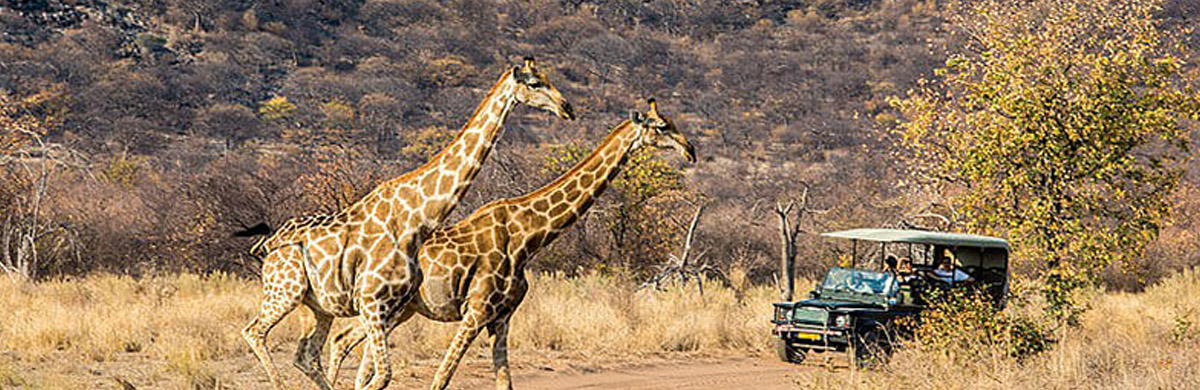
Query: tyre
{"points": [[871, 347], [788, 353]]}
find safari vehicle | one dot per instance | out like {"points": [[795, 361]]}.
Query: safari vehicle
{"points": [[854, 309]]}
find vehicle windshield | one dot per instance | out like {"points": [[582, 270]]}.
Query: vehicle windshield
{"points": [[860, 281]]}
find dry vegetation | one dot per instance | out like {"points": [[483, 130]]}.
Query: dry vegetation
{"points": [[156, 128], [182, 332], [192, 119], [181, 329]]}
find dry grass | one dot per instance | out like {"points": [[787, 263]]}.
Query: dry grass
{"points": [[189, 322], [183, 330]]}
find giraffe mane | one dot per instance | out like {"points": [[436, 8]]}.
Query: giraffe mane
{"points": [[609, 139]]}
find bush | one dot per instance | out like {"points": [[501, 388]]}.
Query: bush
{"points": [[965, 324]]}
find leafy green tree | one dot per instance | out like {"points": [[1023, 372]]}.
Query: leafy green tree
{"points": [[1062, 127]]}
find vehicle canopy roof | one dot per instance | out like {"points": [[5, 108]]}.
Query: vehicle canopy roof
{"points": [[920, 237]]}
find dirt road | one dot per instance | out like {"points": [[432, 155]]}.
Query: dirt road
{"points": [[733, 373], [535, 371]]}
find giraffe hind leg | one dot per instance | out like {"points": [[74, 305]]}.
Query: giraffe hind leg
{"points": [[499, 331], [284, 285], [308, 353]]}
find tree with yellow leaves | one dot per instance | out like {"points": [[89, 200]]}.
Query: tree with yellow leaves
{"points": [[1062, 128]]}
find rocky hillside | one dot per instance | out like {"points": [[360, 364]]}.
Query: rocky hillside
{"points": [[172, 100]]}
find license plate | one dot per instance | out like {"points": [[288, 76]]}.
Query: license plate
{"points": [[808, 336]]}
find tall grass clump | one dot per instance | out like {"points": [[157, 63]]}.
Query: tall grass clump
{"points": [[100, 316], [606, 314]]}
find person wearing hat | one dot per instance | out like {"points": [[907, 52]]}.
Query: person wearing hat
{"points": [[948, 270]]}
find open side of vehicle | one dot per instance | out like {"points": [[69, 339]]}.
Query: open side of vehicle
{"points": [[854, 310]]}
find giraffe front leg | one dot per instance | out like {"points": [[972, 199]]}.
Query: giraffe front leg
{"points": [[366, 368], [343, 343], [384, 294], [458, 347], [376, 370], [308, 354], [350, 336], [499, 332]]}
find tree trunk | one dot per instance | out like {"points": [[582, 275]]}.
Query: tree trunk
{"points": [[787, 252]]}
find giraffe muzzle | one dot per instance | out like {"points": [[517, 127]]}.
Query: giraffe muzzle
{"points": [[689, 152], [567, 111]]}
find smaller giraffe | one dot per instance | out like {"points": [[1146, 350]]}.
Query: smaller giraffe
{"points": [[475, 270]]}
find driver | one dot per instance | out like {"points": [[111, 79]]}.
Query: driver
{"points": [[889, 264], [905, 270]]}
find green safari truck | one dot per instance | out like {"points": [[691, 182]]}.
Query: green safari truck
{"points": [[854, 309]]}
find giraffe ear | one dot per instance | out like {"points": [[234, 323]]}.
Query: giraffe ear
{"points": [[636, 117]]}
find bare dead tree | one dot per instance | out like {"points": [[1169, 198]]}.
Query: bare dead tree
{"points": [[25, 237], [684, 268], [789, 231]]}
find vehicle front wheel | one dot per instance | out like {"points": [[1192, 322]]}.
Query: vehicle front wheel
{"points": [[872, 347], [788, 353]]}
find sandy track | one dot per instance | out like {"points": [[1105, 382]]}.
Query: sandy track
{"points": [[732, 373], [533, 371]]}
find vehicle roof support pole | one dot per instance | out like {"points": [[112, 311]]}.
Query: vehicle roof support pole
{"points": [[853, 252]]}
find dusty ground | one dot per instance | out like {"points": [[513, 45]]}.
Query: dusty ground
{"points": [[724, 374], [532, 371]]}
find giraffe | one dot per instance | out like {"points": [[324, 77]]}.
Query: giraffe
{"points": [[361, 261], [474, 270]]}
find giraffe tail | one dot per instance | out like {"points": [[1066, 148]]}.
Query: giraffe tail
{"points": [[261, 229]]}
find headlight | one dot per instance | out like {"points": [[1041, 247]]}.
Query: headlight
{"points": [[841, 321]]}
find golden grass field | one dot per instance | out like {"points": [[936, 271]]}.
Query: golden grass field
{"points": [[183, 327], [183, 331]]}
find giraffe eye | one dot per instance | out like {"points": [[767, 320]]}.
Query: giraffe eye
{"points": [[535, 83]]}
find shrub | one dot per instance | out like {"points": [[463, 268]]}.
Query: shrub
{"points": [[965, 324], [276, 108]]}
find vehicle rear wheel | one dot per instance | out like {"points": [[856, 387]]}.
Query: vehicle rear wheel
{"points": [[787, 352]]}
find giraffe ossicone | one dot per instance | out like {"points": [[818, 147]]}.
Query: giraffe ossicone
{"points": [[362, 261], [474, 270]]}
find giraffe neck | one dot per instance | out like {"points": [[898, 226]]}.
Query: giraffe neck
{"points": [[431, 191], [572, 194]]}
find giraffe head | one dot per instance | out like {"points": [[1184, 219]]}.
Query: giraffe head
{"points": [[657, 131], [534, 89]]}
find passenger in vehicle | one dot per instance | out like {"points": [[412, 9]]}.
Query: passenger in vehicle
{"points": [[946, 271]]}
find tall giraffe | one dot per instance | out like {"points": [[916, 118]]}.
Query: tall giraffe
{"points": [[474, 270], [362, 260]]}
